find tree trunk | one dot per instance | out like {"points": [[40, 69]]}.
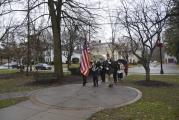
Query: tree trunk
{"points": [[71, 48], [56, 20], [8, 60], [113, 56], [177, 58], [69, 61], [147, 72]]}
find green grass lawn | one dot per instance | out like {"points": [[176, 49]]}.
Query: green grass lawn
{"points": [[135, 65], [8, 71], [157, 103], [177, 65], [18, 83], [9, 102], [72, 65]]}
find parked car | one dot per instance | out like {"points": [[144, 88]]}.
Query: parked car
{"points": [[11, 65], [42, 66], [4, 67]]}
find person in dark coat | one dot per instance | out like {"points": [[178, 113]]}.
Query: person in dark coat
{"points": [[102, 71], [116, 67], [84, 80], [85, 77], [95, 70], [108, 66]]}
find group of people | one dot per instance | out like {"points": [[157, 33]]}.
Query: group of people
{"points": [[106, 69]]}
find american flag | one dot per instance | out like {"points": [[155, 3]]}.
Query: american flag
{"points": [[85, 60]]}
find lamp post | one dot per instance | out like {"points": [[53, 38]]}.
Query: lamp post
{"points": [[160, 45]]}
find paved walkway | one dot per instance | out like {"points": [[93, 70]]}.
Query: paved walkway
{"points": [[70, 102], [14, 95]]}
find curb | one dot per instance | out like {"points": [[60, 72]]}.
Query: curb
{"points": [[139, 96], [35, 101]]}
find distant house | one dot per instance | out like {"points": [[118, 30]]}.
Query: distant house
{"points": [[3, 61], [101, 49], [98, 48], [169, 59], [49, 55], [132, 58]]}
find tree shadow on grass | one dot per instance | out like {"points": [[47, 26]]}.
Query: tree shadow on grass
{"points": [[153, 83], [71, 79]]}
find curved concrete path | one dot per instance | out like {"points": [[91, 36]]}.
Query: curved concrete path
{"points": [[70, 102]]}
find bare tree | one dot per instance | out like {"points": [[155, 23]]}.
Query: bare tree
{"points": [[71, 12], [114, 29], [9, 45], [5, 6], [69, 40], [59, 10], [4, 9], [143, 22], [123, 48]]}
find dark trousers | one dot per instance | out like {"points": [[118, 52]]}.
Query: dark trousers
{"points": [[126, 71], [115, 77], [102, 77], [84, 80], [95, 81]]}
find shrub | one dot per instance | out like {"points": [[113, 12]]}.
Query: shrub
{"points": [[75, 60], [51, 63], [75, 71]]}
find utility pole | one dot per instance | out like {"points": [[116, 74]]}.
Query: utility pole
{"points": [[28, 38]]}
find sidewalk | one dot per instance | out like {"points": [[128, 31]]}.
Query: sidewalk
{"points": [[14, 95], [70, 102]]}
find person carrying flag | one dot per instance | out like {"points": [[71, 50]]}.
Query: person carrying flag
{"points": [[85, 63]]}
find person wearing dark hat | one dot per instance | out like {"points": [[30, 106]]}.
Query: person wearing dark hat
{"points": [[116, 67], [108, 66], [95, 70], [102, 71], [84, 80]]}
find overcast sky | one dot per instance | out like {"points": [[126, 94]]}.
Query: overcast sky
{"points": [[104, 33]]}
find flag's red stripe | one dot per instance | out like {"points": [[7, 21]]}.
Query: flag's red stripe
{"points": [[85, 60], [82, 63], [85, 65]]}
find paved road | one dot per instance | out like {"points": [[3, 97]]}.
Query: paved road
{"points": [[70, 102], [155, 69]]}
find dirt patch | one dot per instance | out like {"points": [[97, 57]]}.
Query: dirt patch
{"points": [[71, 79], [9, 76], [153, 83]]}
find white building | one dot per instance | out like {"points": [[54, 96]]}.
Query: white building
{"points": [[101, 49], [169, 59], [104, 48], [49, 55]]}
